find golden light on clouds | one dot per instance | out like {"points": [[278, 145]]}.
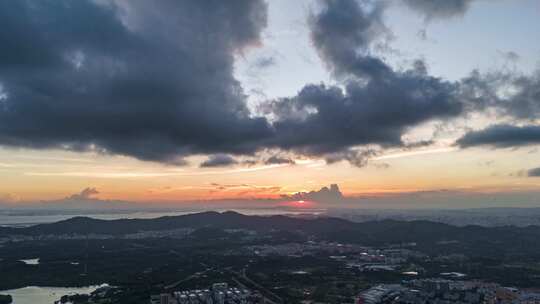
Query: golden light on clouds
{"points": [[54, 175]]}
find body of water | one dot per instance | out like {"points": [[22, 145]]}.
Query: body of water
{"points": [[45, 295], [30, 261], [23, 219]]}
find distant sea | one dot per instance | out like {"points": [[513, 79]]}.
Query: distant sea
{"points": [[24, 218]]}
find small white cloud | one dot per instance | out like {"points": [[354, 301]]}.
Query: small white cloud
{"points": [[87, 193]]}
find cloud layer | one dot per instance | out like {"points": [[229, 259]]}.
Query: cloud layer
{"points": [[330, 194], [436, 9], [86, 193], [155, 81], [376, 105], [219, 160], [535, 172], [502, 136]]}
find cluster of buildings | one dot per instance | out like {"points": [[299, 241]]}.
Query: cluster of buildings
{"points": [[442, 291], [363, 258], [386, 293], [305, 249], [350, 251], [375, 260], [220, 293]]}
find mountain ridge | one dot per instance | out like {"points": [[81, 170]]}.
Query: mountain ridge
{"points": [[332, 228]]}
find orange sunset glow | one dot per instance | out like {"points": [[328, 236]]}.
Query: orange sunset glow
{"points": [[264, 115]]}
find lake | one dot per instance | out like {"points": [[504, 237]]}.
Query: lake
{"points": [[30, 261], [45, 295]]}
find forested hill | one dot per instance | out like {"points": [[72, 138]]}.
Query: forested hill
{"points": [[376, 232]]}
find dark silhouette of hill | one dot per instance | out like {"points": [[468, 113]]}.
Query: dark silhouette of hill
{"points": [[225, 220], [336, 229]]}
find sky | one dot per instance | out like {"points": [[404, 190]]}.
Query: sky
{"points": [[349, 103]]}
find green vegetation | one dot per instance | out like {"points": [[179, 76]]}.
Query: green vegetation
{"points": [[5, 299]]}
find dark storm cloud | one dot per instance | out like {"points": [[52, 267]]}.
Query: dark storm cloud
{"points": [[535, 172], [433, 9], [503, 94], [502, 136], [419, 144], [153, 80], [514, 95], [343, 33], [524, 100], [358, 158], [219, 160], [278, 160], [377, 104], [378, 112]]}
